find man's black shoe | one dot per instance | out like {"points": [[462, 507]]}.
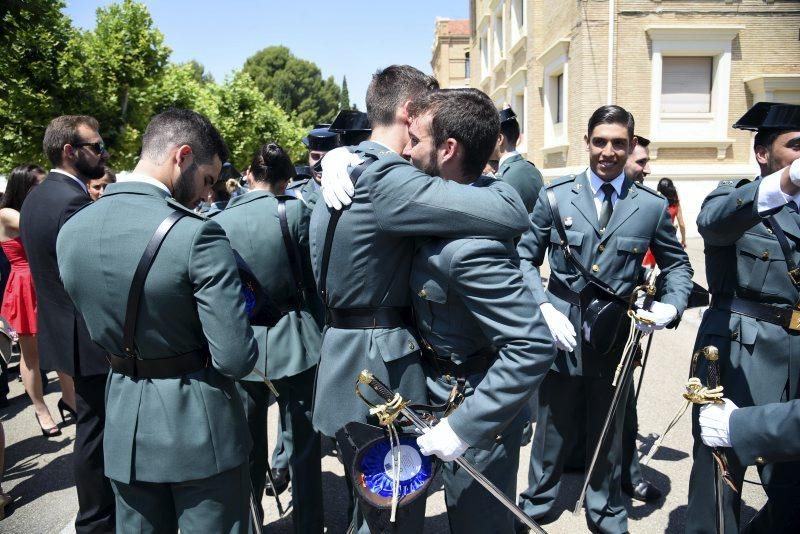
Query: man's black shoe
{"points": [[281, 477], [644, 491]]}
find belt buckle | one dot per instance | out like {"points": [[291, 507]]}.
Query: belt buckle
{"points": [[794, 321]]}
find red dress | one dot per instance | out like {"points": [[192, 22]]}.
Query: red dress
{"points": [[650, 260], [19, 300]]}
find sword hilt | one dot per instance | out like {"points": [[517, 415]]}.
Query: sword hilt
{"points": [[368, 379], [711, 354]]}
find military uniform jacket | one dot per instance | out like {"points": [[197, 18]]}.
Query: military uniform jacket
{"points": [[469, 294], [175, 429], [64, 342], [307, 190], [253, 227], [769, 433], [639, 220], [523, 176], [759, 361], [370, 263]]}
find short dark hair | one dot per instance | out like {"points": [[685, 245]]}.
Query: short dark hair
{"points": [[642, 141], [63, 130], [175, 127], [391, 87], [21, 180], [271, 164], [110, 173], [611, 114], [510, 130], [466, 115], [766, 137]]}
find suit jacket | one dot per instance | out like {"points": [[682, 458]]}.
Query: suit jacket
{"points": [[468, 295], [64, 342], [253, 227], [523, 176], [759, 361], [174, 429], [639, 220], [370, 265], [766, 434]]}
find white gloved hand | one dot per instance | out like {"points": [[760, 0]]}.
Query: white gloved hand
{"points": [[560, 327], [794, 172], [715, 423], [442, 441], [337, 187], [660, 314]]}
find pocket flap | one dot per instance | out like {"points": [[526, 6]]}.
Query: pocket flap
{"points": [[428, 288], [635, 245], [760, 248], [574, 238], [395, 344]]}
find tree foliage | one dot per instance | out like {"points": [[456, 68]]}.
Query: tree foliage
{"points": [[119, 72], [295, 84], [344, 100]]}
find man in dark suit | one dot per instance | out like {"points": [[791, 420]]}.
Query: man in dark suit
{"points": [[76, 150]]}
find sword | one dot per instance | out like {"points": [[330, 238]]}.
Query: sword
{"points": [[644, 366], [712, 357], [255, 516], [368, 379], [622, 378]]}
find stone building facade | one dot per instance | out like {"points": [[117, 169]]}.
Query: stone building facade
{"points": [[686, 70], [451, 53]]}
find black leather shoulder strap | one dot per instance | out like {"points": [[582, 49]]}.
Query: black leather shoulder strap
{"points": [[137, 285], [293, 253], [334, 220], [794, 272], [562, 235]]}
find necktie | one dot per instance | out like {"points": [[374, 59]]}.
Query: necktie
{"points": [[607, 207]]}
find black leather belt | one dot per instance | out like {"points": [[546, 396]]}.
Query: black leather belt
{"points": [[477, 362], [560, 290], [367, 318], [786, 317], [162, 367]]}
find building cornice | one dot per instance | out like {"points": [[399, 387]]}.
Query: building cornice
{"points": [[680, 32]]}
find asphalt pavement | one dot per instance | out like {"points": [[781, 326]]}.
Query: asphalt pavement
{"points": [[38, 471]]}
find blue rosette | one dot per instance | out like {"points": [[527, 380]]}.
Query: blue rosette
{"points": [[376, 475]]}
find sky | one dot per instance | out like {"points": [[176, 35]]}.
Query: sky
{"points": [[350, 38]]}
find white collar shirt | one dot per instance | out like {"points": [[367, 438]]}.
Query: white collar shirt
{"points": [[596, 183], [136, 177], [506, 156]]}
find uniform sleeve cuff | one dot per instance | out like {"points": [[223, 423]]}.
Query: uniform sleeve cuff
{"points": [[770, 196]]}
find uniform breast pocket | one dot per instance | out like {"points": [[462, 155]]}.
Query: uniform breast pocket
{"points": [[630, 252], [558, 262], [430, 298], [758, 257]]}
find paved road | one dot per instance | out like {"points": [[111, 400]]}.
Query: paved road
{"points": [[39, 473]]}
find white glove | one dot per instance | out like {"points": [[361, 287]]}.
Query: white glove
{"points": [[660, 314], [337, 187], [560, 327], [442, 441], [715, 423], [794, 172]]}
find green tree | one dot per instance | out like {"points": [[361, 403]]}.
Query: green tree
{"points": [[344, 99], [32, 36], [199, 70], [296, 85]]}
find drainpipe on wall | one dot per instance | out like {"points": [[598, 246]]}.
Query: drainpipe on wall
{"points": [[611, 12]]}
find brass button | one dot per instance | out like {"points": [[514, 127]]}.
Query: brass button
{"points": [[595, 268], [601, 248], [739, 202], [760, 460], [734, 335], [412, 345], [765, 255], [635, 250], [422, 293]]}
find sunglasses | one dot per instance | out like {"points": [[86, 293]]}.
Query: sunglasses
{"points": [[98, 147]]}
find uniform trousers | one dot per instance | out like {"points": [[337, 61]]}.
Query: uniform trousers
{"points": [[782, 486], [470, 507], [556, 427], [219, 504], [302, 442], [95, 496]]}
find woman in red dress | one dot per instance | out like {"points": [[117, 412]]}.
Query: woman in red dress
{"points": [[19, 299], [668, 190]]}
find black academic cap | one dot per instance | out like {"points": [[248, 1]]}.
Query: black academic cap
{"points": [[507, 114], [351, 121], [321, 138], [770, 116]]}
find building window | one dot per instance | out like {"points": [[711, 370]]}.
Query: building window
{"points": [[686, 84], [497, 39], [517, 20], [484, 45], [467, 66], [559, 115], [555, 84], [518, 105]]}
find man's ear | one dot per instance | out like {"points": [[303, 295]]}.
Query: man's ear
{"points": [[450, 149], [762, 154], [586, 142], [402, 113], [67, 151], [633, 143], [183, 156]]}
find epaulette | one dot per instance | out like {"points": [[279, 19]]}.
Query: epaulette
{"points": [[648, 189], [562, 180], [733, 183], [178, 206], [297, 183]]}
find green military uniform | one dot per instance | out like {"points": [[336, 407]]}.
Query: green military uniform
{"points": [[614, 255], [523, 176], [253, 227], [306, 190], [175, 449], [470, 299], [759, 361], [370, 262]]}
